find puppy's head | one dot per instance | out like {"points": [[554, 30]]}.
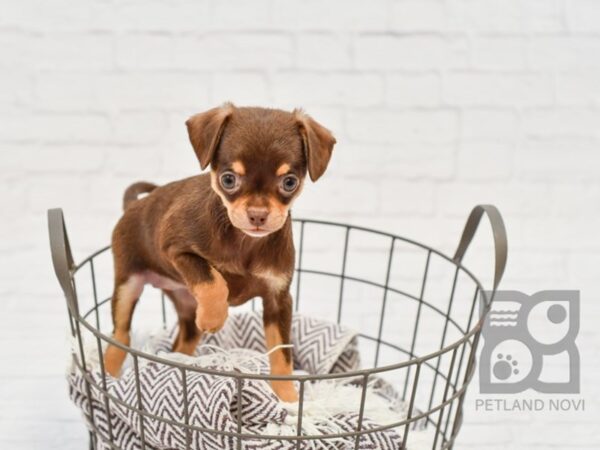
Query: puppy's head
{"points": [[259, 158]]}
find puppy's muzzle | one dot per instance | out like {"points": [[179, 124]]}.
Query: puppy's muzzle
{"points": [[257, 216]]}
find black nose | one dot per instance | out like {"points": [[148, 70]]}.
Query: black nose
{"points": [[257, 216]]}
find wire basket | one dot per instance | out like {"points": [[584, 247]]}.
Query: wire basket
{"points": [[414, 308]]}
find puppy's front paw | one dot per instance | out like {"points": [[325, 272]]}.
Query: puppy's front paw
{"points": [[211, 318], [285, 390], [212, 309]]}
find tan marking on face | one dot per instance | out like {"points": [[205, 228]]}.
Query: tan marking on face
{"points": [[285, 390], [237, 210], [283, 169], [238, 167], [212, 309], [276, 282], [215, 187], [275, 206]]}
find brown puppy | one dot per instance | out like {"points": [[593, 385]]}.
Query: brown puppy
{"points": [[222, 238]]}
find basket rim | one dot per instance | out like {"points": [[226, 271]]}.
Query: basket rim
{"points": [[302, 378]]}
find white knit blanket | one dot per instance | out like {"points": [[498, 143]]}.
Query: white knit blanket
{"points": [[319, 347]]}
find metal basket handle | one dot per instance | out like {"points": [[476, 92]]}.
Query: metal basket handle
{"points": [[62, 257], [499, 232]]}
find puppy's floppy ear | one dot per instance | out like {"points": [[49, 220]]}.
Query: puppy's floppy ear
{"points": [[318, 144], [205, 130]]}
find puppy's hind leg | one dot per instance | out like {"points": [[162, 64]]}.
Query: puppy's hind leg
{"points": [[125, 297], [188, 336]]}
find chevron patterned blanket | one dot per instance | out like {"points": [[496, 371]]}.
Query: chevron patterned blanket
{"points": [[319, 347]]}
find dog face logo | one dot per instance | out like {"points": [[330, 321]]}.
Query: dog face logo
{"points": [[526, 336]]}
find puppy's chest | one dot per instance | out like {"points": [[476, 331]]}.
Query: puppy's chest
{"points": [[277, 277], [264, 263], [255, 271], [246, 281]]}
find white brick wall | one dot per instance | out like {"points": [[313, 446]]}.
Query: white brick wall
{"points": [[437, 105]]}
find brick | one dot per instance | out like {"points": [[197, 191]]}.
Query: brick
{"points": [[410, 52], [563, 122], [545, 15], [401, 197], [55, 128], [539, 266], [513, 199], [578, 88], [70, 51], [16, 89], [242, 88], [139, 127], [418, 15], [40, 198], [66, 91], [573, 200], [330, 89], [131, 90], [16, 192], [401, 161], [60, 15], [485, 160], [500, 16], [356, 15], [144, 51], [152, 90], [488, 123], [383, 127], [91, 229], [422, 89], [584, 265], [320, 51], [60, 158], [72, 128], [436, 232], [135, 160], [241, 15], [335, 197], [233, 51], [499, 53], [557, 160], [17, 51], [106, 191], [159, 16], [583, 15], [564, 52], [177, 157], [482, 89], [17, 249]]}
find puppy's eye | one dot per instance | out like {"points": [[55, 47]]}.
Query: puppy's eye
{"points": [[289, 183], [229, 181]]}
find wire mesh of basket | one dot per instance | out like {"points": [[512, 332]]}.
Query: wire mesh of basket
{"points": [[418, 314]]}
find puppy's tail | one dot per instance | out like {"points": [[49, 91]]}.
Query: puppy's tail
{"points": [[133, 192]]}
